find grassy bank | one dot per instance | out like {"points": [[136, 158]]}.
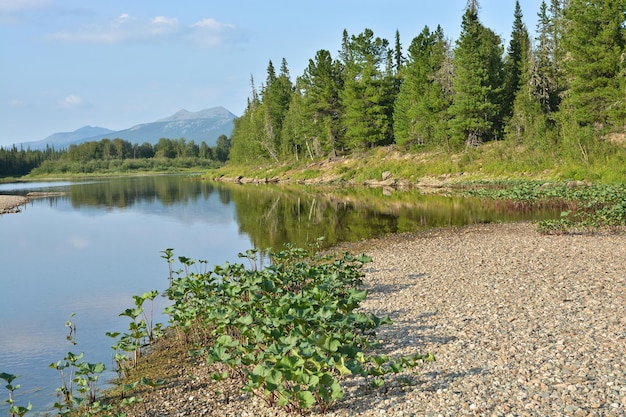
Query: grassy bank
{"points": [[492, 161], [589, 186]]}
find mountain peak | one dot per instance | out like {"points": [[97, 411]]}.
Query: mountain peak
{"points": [[204, 125], [211, 113]]}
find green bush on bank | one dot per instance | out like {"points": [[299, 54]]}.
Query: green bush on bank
{"points": [[288, 331], [586, 206]]}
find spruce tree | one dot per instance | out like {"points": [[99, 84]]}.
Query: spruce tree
{"points": [[368, 91], [419, 111], [322, 83], [528, 123], [476, 111], [595, 42], [275, 98], [543, 71], [517, 54]]}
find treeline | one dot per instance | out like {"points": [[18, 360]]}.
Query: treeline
{"points": [[18, 162], [114, 155], [564, 88]]}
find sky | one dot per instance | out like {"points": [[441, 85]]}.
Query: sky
{"points": [[66, 64]]}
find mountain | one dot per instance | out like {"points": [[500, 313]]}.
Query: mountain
{"points": [[201, 126], [62, 139]]}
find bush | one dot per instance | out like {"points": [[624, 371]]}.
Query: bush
{"points": [[289, 331]]}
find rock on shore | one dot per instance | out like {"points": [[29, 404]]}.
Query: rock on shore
{"points": [[521, 324], [11, 203]]}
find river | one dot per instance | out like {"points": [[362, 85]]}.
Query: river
{"points": [[82, 253]]}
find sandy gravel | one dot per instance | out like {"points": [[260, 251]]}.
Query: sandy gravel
{"points": [[10, 203], [521, 324]]}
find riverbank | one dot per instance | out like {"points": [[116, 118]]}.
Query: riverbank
{"points": [[520, 323], [11, 203]]}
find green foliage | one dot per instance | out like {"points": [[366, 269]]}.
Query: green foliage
{"points": [[250, 141], [142, 332], [79, 381], [276, 96], [476, 110], [585, 207], [114, 156], [289, 331], [14, 410], [372, 96], [368, 92], [423, 100], [516, 68], [312, 125], [595, 41]]}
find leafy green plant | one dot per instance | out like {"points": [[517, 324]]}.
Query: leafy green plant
{"points": [[142, 332], [585, 207], [79, 380], [14, 410], [288, 332]]}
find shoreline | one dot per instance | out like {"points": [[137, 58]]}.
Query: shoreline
{"points": [[11, 203], [520, 323]]}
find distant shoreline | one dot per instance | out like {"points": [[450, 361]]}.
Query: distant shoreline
{"points": [[11, 203]]}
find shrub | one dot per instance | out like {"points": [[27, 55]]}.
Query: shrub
{"points": [[288, 331]]}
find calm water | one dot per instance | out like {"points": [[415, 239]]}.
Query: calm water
{"points": [[90, 250]]}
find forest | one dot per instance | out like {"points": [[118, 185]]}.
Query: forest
{"points": [[561, 90], [556, 95], [117, 155]]}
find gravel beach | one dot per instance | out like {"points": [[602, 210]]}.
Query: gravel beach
{"points": [[10, 203], [521, 324]]}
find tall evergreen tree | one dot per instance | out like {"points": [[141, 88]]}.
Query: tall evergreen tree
{"points": [[595, 42], [368, 91], [398, 57], [476, 111], [321, 85], [543, 71], [548, 75], [529, 122], [420, 108], [517, 54], [275, 98]]}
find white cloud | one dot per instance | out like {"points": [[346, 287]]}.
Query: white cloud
{"points": [[210, 32], [72, 101], [123, 28], [13, 6], [212, 24], [127, 28], [13, 12], [161, 20]]}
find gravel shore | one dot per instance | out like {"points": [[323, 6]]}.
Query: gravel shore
{"points": [[10, 203], [521, 324]]}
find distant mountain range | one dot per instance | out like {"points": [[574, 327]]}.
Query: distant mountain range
{"points": [[201, 126]]}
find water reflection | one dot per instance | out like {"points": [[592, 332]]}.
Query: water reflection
{"points": [[275, 215]]}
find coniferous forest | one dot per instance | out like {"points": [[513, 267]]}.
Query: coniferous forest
{"points": [[561, 88]]}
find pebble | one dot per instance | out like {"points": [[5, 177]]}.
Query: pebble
{"points": [[521, 324]]}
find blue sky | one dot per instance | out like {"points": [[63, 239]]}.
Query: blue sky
{"points": [[114, 63]]}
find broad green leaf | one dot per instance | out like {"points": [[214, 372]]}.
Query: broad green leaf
{"points": [[305, 398], [341, 367], [245, 320]]}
